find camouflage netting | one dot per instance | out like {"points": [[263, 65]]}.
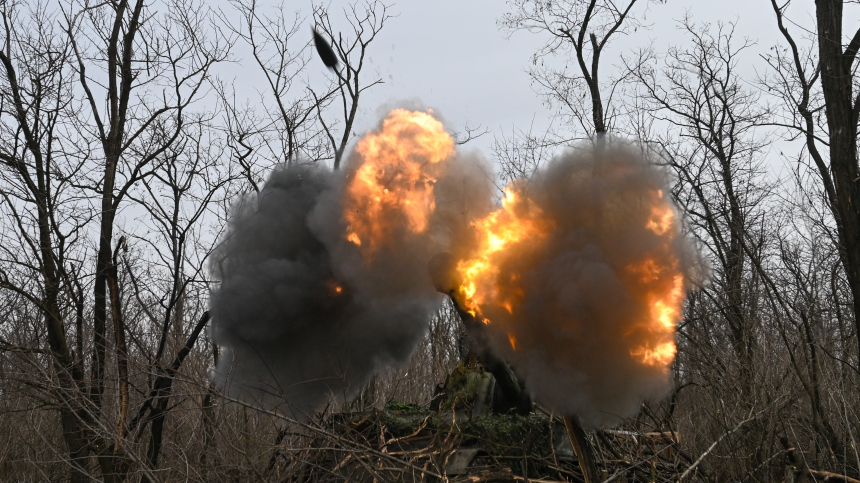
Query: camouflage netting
{"points": [[404, 442]]}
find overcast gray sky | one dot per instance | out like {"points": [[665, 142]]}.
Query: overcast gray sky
{"points": [[452, 56]]}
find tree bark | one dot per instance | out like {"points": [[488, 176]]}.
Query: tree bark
{"points": [[841, 111], [582, 449], [160, 396]]}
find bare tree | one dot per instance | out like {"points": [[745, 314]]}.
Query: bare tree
{"points": [[713, 143], [586, 28], [36, 86], [187, 181], [283, 126], [65, 150], [714, 148], [134, 130], [366, 21], [824, 78]]}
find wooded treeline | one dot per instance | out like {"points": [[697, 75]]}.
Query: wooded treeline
{"points": [[122, 148]]}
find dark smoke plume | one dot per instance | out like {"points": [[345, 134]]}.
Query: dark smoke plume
{"points": [[302, 314], [292, 330], [581, 294], [325, 276]]}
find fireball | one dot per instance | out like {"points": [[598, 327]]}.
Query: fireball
{"points": [[519, 221], [631, 227], [392, 187]]}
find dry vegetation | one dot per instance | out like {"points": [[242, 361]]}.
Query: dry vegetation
{"points": [[120, 152]]}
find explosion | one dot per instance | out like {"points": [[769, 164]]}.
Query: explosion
{"points": [[393, 187], [518, 221], [579, 275], [307, 311], [490, 285]]}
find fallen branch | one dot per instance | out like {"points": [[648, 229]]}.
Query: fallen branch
{"points": [[829, 477], [740, 425], [355, 446], [582, 448]]}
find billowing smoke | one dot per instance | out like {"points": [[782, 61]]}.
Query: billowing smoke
{"points": [[324, 277], [580, 278]]}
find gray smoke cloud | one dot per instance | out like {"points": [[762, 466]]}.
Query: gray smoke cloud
{"points": [[303, 315], [317, 295], [582, 297]]}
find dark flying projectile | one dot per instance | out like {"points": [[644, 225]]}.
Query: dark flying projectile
{"points": [[325, 51]]}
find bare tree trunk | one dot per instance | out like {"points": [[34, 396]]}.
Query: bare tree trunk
{"points": [[842, 114], [582, 448], [120, 462], [587, 26], [70, 378], [159, 397]]}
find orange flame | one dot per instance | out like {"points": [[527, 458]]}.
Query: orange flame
{"points": [[666, 296], [389, 198], [519, 220], [393, 186], [661, 219], [488, 289], [659, 350]]}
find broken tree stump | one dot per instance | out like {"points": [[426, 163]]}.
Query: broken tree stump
{"points": [[582, 449]]}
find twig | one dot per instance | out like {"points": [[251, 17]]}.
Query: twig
{"points": [[335, 437], [834, 477], [696, 463]]}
